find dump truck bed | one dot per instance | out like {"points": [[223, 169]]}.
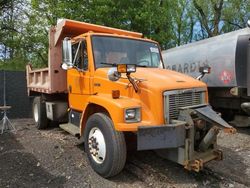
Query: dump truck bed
{"points": [[53, 79], [38, 80]]}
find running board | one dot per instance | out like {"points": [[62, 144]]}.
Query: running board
{"points": [[71, 128]]}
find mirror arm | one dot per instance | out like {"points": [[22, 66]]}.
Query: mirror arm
{"points": [[132, 81], [200, 76]]}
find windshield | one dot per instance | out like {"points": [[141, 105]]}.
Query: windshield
{"points": [[114, 50]]}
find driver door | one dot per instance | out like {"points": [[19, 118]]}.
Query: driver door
{"points": [[79, 76]]}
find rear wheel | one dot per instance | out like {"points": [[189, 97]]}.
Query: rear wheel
{"points": [[105, 147], [39, 113]]}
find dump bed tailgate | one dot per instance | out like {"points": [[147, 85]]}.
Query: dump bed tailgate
{"points": [[38, 80]]}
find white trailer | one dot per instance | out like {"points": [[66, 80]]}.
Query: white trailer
{"points": [[228, 55]]}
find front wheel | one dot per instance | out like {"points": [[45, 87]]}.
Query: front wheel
{"points": [[105, 147]]}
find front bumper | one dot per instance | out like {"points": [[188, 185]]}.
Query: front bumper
{"points": [[161, 137]]}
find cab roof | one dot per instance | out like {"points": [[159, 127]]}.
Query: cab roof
{"points": [[72, 28], [112, 35]]}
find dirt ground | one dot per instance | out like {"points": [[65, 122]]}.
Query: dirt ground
{"points": [[53, 158]]}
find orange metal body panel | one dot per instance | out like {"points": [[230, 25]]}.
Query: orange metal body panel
{"points": [[94, 87]]}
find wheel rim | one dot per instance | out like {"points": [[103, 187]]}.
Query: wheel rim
{"points": [[97, 145], [35, 112]]}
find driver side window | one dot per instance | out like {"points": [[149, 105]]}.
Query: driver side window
{"points": [[79, 54]]}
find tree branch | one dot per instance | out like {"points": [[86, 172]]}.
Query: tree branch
{"points": [[217, 16], [232, 23], [4, 27], [203, 18]]}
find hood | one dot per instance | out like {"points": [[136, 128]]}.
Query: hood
{"points": [[164, 79], [159, 79], [154, 82]]}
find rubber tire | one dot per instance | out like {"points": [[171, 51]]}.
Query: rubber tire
{"points": [[43, 121], [116, 151]]}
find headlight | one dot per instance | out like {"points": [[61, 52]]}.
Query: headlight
{"points": [[131, 68], [132, 115]]}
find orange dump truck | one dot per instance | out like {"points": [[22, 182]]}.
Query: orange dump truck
{"points": [[102, 83]]}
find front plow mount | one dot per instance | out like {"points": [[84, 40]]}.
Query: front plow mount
{"points": [[190, 141]]}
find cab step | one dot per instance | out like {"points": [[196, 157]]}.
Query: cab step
{"points": [[71, 128]]}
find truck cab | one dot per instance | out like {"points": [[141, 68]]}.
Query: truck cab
{"points": [[102, 83]]}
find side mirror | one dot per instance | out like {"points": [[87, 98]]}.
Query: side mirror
{"points": [[203, 70], [67, 54], [113, 75]]}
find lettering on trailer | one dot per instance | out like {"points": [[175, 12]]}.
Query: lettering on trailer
{"points": [[187, 67]]}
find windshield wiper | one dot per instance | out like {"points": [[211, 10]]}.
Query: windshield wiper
{"points": [[112, 64], [141, 66]]}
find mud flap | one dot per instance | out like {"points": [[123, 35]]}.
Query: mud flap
{"points": [[161, 137]]}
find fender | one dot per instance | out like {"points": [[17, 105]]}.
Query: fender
{"points": [[115, 108]]}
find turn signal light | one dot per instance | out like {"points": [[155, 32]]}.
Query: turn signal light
{"points": [[115, 94]]}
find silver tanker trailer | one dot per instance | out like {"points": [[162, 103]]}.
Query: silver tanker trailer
{"points": [[228, 55]]}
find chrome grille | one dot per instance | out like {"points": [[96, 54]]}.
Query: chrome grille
{"points": [[173, 100]]}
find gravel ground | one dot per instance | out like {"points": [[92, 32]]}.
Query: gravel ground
{"points": [[53, 158]]}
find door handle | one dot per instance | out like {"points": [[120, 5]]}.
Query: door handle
{"points": [[70, 89]]}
